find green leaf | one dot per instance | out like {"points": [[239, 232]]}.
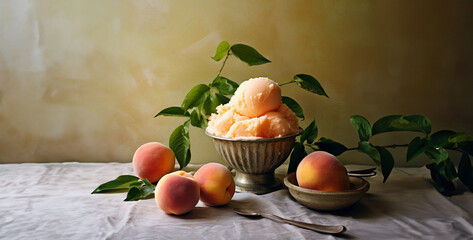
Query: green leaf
{"points": [[330, 146], [387, 162], [195, 96], [136, 184], [121, 182], [224, 85], [222, 51], [222, 99], [173, 111], [460, 137], [310, 133], [437, 155], [198, 120], [133, 194], [466, 146], [294, 106], [179, 143], [442, 185], [248, 54], [310, 84], [362, 126], [465, 171], [211, 103], [234, 84], [447, 170], [298, 153], [416, 147], [384, 124], [414, 123], [440, 138], [142, 191], [366, 148]]}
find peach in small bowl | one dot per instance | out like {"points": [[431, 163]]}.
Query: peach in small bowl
{"points": [[327, 200], [321, 182]]}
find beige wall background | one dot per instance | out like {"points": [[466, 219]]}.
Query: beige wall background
{"points": [[82, 80]]}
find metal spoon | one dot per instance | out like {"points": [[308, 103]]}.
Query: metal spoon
{"points": [[370, 172], [314, 227]]}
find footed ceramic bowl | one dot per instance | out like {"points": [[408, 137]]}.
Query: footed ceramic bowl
{"points": [[327, 200]]}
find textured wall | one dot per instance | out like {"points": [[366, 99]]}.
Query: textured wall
{"points": [[82, 80]]}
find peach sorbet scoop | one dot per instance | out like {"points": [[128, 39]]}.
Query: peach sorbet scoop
{"points": [[255, 111]]}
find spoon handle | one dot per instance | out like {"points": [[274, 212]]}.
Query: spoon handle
{"points": [[370, 172], [362, 174], [310, 226]]}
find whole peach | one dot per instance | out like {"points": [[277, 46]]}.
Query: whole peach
{"points": [[153, 160], [322, 171], [177, 193], [216, 184]]}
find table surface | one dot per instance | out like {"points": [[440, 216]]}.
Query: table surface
{"points": [[54, 201]]}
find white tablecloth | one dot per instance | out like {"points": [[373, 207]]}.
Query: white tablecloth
{"points": [[53, 201]]}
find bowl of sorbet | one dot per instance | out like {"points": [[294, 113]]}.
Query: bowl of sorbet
{"points": [[254, 133]]}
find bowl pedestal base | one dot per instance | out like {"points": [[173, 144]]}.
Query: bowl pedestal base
{"points": [[257, 183]]}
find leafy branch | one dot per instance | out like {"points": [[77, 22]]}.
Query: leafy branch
{"points": [[435, 146], [137, 188], [202, 100]]}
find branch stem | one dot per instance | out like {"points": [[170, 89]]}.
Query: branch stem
{"points": [[287, 83], [406, 145], [223, 65], [386, 146]]}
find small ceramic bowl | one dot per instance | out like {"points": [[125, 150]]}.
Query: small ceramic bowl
{"points": [[327, 200]]}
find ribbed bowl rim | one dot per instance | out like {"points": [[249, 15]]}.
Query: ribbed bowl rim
{"points": [[254, 140]]}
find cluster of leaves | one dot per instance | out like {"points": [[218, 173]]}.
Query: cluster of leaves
{"points": [[137, 188], [434, 146], [202, 100]]}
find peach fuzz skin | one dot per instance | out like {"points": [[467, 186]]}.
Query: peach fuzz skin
{"points": [[177, 193], [322, 171], [216, 184], [153, 160]]}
